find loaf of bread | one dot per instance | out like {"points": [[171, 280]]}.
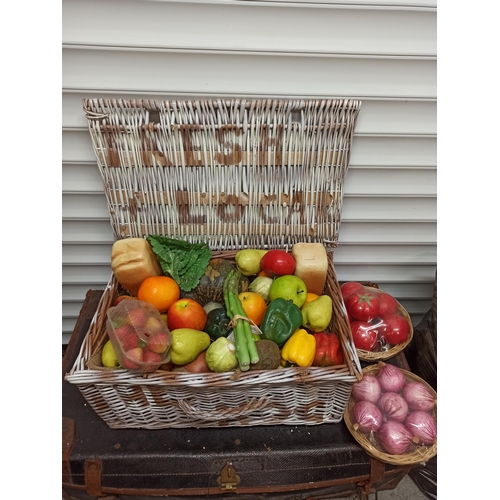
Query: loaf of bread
{"points": [[311, 265], [132, 261]]}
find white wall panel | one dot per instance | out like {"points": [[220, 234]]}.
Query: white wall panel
{"points": [[85, 177], [71, 292], [344, 254], [329, 30], [233, 74], [355, 208], [387, 232], [391, 181], [384, 53], [75, 230], [378, 116], [366, 149]]}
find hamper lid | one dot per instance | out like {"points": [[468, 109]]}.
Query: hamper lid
{"points": [[233, 174]]}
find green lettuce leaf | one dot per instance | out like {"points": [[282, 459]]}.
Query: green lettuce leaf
{"points": [[183, 261]]}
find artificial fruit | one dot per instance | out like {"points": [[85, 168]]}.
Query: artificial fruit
{"points": [[289, 287], [108, 356], [317, 314]]}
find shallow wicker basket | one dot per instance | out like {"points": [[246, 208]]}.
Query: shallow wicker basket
{"points": [[370, 356], [420, 455], [234, 174]]}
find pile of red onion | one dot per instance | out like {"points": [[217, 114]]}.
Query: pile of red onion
{"points": [[398, 413]]}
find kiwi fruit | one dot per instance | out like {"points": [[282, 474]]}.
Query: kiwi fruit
{"points": [[269, 355]]}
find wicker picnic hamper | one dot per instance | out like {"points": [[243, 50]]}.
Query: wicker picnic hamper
{"points": [[234, 174]]}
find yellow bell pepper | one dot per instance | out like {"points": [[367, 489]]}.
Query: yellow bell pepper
{"points": [[299, 349]]}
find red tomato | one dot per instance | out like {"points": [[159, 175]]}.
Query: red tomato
{"points": [[364, 335], [277, 263], [363, 306], [396, 329], [347, 289], [387, 304]]}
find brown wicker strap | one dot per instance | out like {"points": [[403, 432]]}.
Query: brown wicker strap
{"points": [[198, 413]]}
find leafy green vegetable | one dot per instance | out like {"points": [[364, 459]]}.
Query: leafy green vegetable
{"points": [[183, 261]]}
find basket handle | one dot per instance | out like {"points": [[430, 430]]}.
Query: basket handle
{"points": [[229, 413]]}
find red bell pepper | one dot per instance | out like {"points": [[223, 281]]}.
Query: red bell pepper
{"points": [[328, 350]]}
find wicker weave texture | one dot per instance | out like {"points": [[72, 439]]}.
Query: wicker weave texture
{"points": [[418, 456], [290, 396], [263, 173]]}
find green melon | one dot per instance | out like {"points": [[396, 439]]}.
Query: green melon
{"points": [[211, 285]]}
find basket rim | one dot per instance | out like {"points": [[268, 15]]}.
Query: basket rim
{"points": [[419, 456], [81, 374]]}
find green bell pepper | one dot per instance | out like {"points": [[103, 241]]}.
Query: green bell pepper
{"points": [[217, 324], [281, 320]]}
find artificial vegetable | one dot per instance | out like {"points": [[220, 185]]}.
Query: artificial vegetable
{"points": [[183, 261], [246, 352], [328, 350], [282, 318], [217, 324], [299, 349]]}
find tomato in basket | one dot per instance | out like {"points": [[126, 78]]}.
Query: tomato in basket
{"points": [[364, 335], [387, 304], [363, 305], [395, 330], [347, 289]]}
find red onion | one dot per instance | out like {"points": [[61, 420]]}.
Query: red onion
{"points": [[422, 426], [394, 437], [367, 417], [367, 390], [418, 396], [391, 378], [393, 406]]}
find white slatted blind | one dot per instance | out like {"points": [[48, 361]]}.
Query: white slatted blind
{"points": [[382, 53]]}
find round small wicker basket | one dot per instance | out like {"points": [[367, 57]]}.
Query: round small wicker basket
{"points": [[373, 356], [419, 455]]}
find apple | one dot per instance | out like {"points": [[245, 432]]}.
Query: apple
{"points": [[137, 317], [133, 358], [289, 287], [127, 337], [186, 313], [152, 359], [158, 343], [154, 325], [122, 297]]}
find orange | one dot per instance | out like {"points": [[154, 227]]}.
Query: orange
{"points": [[263, 273], [160, 291], [254, 306], [310, 297]]}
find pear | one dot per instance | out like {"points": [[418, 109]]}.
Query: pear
{"points": [[187, 344], [248, 261], [317, 314], [108, 356]]}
